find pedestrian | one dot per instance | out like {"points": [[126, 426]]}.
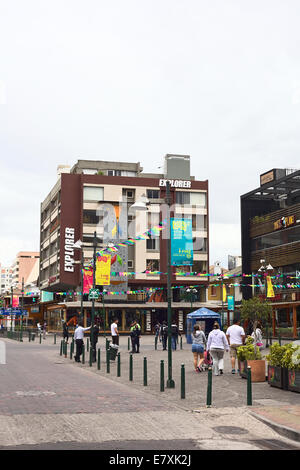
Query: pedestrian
{"points": [[65, 332], [198, 347], [94, 339], [44, 330], [135, 334], [216, 345], [235, 335], [257, 336], [115, 331], [78, 336], [39, 327], [157, 331], [174, 335], [164, 334]]}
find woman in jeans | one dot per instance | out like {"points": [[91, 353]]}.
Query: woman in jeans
{"points": [[198, 346], [216, 345]]}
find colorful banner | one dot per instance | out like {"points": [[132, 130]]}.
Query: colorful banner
{"points": [[270, 290], [87, 280], [224, 293], [230, 302], [15, 302], [181, 242], [103, 270]]}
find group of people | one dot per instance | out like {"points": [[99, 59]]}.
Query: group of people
{"points": [[218, 342], [161, 332]]}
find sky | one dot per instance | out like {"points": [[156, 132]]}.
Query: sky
{"points": [[134, 80]]}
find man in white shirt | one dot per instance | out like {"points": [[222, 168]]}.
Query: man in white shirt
{"points": [[78, 337], [115, 332], [236, 337]]}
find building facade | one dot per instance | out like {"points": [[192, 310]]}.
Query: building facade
{"points": [[270, 225], [99, 196]]}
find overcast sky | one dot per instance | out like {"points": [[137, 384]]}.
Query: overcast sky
{"points": [[132, 80]]}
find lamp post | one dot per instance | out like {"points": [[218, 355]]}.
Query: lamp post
{"points": [[191, 294], [22, 305], [103, 312]]}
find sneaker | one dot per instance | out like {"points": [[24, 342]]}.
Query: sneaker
{"points": [[233, 371], [199, 369], [221, 372]]}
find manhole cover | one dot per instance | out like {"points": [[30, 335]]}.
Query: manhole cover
{"points": [[230, 430]]}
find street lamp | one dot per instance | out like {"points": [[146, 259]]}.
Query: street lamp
{"points": [[191, 294]]}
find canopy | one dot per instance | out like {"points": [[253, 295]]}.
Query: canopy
{"points": [[203, 313]]}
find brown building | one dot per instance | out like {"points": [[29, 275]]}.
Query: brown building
{"points": [[73, 210]]}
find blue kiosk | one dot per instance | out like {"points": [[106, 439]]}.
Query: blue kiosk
{"points": [[201, 315]]}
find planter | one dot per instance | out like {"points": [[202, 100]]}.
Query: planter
{"points": [[294, 380], [278, 377], [258, 370]]}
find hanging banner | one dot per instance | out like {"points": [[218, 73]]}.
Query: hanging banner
{"points": [[230, 302], [87, 280], [181, 242], [15, 302], [103, 270], [270, 290], [224, 294]]}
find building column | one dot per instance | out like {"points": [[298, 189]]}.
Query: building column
{"points": [[294, 321]]}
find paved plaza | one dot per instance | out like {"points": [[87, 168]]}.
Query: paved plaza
{"points": [[49, 401]]}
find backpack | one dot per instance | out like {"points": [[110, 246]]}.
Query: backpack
{"points": [[164, 330], [174, 329]]}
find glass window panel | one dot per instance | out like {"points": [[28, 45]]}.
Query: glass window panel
{"points": [[93, 193]]}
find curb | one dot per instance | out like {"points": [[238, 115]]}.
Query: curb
{"points": [[284, 431]]}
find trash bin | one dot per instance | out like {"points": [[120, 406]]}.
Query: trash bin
{"points": [[113, 351]]}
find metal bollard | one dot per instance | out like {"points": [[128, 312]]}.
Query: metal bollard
{"points": [[91, 357], [61, 348], [106, 344], [155, 343], [130, 368], [54, 339], [29, 336], [182, 381], [119, 365], [279, 339], [180, 342], [128, 344], [83, 355], [87, 345], [145, 372], [66, 349], [40, 339], [108, 361], [99, 362], [71, 350], [162, 376], [209, 387], [249, 386]]}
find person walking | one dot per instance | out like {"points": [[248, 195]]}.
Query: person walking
{"points": [[157, 330], [198, 347], [44, 330], [174, 335], [216, 345], [94, 340], [65, 332], [78, 337], [115, 332], [164, 334], [257, 336], [235, 335]]}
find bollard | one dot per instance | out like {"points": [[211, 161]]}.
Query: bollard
{"points": [[29, 336], [279, 339], [66, 349], [128, 344], [91, 357], [145, 372], [209, 387], [180, 342], [182, 381], [54, 338], [40, 339], [71, 350], [99, 362], [162, 376], [106, 344], [108, 361], [119, 365], [61, 348], [130, 368], [83, 354], [249, 386], [155, 343], [87, 345], [267, 336]]}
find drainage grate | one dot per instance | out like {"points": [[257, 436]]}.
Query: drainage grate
{"points": [[230, 430]]}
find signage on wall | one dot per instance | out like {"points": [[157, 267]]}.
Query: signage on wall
{"points": [[267, 177], [69, 249], [284, 222], [175, 183], [181, 242]]}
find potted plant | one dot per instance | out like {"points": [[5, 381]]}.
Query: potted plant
{"points": [[250, 355], [291, 360], [277, 373]]}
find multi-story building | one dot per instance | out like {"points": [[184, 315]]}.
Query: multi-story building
{"points": [[6, 279], [99, 196], [270, 224], [23, 266]]}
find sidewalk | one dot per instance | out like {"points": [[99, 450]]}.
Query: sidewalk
{"points": [[284, 419]]}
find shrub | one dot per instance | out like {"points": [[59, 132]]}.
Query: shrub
{"points": [[248, 352], [287, 355]]}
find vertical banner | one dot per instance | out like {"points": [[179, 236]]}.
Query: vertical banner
{"points": [[224, 293], [230, 301], [181, 242], [103, 270], [87, 280], [15, 302], [270, 290]]}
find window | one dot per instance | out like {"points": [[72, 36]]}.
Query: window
{"points": [[152, 244], [110, 173], [153, 193], [195, 199], [130, 264], [88, 171], [282, 237], [91, 217], [152, 265], [182, 197], [93, 193]]}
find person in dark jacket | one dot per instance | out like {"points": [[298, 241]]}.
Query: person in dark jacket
{"points": [[135, 334], [94, 340], [164, 334], [174, 335], [65, 332]]}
